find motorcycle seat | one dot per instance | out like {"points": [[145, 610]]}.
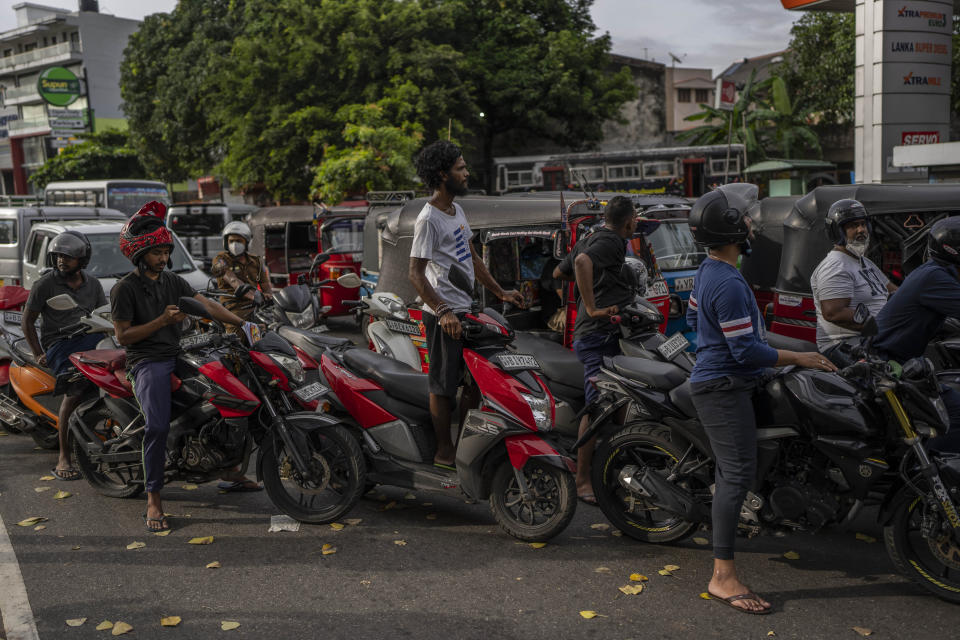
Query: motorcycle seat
{"points": [[396, 378], [115, 361], [22, 348], [659, 375], [682, 398], [556, 361], [312, 343]]}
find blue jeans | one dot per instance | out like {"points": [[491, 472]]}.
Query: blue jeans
{"points": [[590, 350], [58, 355], [151, 385]]}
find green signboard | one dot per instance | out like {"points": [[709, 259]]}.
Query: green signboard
{"points": [[58, 86]]}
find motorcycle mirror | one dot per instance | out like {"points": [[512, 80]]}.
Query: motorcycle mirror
{"points": [[560, 244], [321, 258], [192, 307], [861, 313], [349, 280], [62, 302], [459, 279]]}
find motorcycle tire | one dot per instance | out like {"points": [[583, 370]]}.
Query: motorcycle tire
{"points": [[46, 436], [103, 483], [632, 443], [345, 475], [932, 564], [552, 510]]}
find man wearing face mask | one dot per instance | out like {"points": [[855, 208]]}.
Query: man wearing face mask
{"points": [[234, 267], [845, 279]]}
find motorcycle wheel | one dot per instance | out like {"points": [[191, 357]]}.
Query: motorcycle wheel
{"points": [[554, 501], [108, 483], [335, 458], [636, 444], [46, 436], [932, 563]]}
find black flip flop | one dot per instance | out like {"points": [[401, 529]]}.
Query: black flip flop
{"points": [[742, 596], [238, 487], [161, 519], [65, 475]]}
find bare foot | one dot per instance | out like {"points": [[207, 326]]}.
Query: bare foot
{"points": [[725, 587]]}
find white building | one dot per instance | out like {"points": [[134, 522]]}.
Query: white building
{"points": [[87, 43]]}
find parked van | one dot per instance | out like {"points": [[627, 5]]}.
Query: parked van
{"points": [[199, 226], [15, 225], [123, 195]]}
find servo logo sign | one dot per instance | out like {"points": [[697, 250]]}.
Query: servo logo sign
{"points": [[919, 137], [932, 18], [916, 81]]}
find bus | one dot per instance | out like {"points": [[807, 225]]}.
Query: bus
{"points": [[123, 195], [680, 171]]}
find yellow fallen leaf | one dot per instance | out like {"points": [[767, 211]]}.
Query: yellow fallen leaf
{"points": [[353, 521], [706, 596], [400, 543], [189, 487], [214, 565], [431, 516], [47, 478], [602, 570], [665, 572], [203, 540], [791, 555], [701, 541], [136, 545], [3, 433], [617, 533], [29, 522], [632, 589], [170, 621], [538, 545], [336, 526], [591, 614], [40, 527], [409, 496], [389, 505], [39, 489], [103, 626], [120, 628], [638, 577], [328, 549], [427, 504], [76, 548], [863, 631], [600, 526], [771, 634], [76, 622], [62, 495], [866, 538], [227, 625], [671, 567], [163, 533]]}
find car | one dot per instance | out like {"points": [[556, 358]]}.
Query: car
{"points": [[106, 262]]}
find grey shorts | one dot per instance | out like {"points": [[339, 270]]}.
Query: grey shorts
{"points": [[446, 358]]}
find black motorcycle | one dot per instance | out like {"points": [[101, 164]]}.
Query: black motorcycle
{"points": [[828, 445]]}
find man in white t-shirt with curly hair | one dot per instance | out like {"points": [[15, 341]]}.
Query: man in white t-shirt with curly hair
{"points": [[442, 239]]}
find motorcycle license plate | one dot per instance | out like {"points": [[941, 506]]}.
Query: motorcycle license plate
{"points": [[657, 288], [516, 362], [683, 284], [320, 329], [310, 392], [400, 326], [674, 346], [197, 340], [12, 317]]}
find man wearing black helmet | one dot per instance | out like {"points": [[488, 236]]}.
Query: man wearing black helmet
{"points": [[68, 254], [732, 354], [846, 278], [927, 297]]}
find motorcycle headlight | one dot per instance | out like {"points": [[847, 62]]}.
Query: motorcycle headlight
{"points": [[541, 411], [302, 320], [290, 365]]}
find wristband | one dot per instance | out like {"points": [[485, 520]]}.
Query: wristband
{"points": [[441, 310]]}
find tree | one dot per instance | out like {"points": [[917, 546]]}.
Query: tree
{"points": [[108, 154], [785, 127], [381, 157]]}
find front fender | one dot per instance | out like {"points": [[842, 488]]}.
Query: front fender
{"points": [[292, 430], [520, 448]]}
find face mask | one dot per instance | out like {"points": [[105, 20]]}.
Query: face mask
{"points": [[859, 249], [237, 248]]}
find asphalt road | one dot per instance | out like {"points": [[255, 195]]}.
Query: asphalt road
{"points": [[456, 575]]}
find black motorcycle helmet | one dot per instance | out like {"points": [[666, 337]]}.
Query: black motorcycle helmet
{"points": [[718, 218], [69, 243], [842, 213], [943, 241]]}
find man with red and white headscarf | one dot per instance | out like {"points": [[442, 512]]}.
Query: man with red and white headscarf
{"points": [[147, 323]]}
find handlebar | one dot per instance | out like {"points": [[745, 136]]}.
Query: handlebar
{"points": [[350, 304]]}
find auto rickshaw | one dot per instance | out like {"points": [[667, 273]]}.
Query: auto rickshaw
{"points": [[522, 239], [340, 237], [900, 216], [287, 238], [761, 267]]}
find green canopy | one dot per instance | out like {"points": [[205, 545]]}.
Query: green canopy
{"points": [[769, 166]]}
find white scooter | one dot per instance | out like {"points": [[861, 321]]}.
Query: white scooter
{"points": [[391, 331]]}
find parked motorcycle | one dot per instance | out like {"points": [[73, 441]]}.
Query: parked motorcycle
{"points": [[389, 328], [828, 445], [298, 305], [506, 451], [227, 398]]}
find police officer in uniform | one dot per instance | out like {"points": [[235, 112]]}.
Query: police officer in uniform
{"points": [[234, 268]]}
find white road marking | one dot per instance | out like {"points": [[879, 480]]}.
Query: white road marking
{"points": [[14, 605]]}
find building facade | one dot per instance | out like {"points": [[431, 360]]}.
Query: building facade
{"points": [[89, 45], [686, 90]]}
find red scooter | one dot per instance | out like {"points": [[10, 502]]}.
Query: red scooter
{"points": [[227, 398], [506, 449]]}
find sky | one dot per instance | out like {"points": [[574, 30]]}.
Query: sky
{"points": [[703, 33]]}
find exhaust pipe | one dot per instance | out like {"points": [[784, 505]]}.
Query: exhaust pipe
{"points": [[656, 490]]}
